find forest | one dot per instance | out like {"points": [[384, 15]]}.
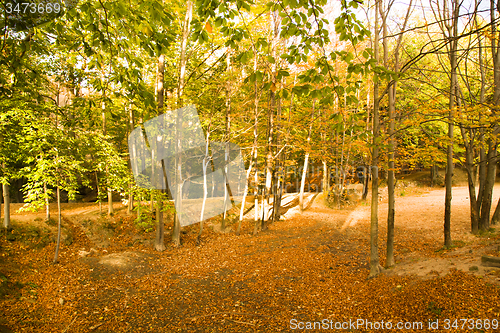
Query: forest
{"points": [[249, 165]]}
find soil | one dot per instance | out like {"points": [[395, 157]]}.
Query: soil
{"points": [[310, 266]]}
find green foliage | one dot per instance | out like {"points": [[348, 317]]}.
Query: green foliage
{"points": [[145, 222]]}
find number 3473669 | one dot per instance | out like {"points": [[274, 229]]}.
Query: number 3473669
{"points": [[32, 8]]}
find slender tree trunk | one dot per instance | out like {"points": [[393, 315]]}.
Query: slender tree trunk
{"points": [[109, 191], [6, 206], [481, 174], [47, 205], [160, 225], [139, 206], [226, 155], [306, 161], [151, 201], [375, 267], [206, 161], [390, 165], [491, 157], [482, 169], [278, 173], [243, 201], [176, 234], [469, 167], [130, 206], [324, 184], [390, 181], [98, 193], [484, 221], [111, 210], [303, 182], [392, 109], [270, 169], [255, 147], [269, 158], [56, 255], [452, 33]]}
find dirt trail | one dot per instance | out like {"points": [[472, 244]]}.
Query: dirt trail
{"points": [[422, 216]]}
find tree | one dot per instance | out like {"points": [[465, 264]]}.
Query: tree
{"points": [[447, 17], [391, 117], [178, 132], [375, 267], [55, 159]]}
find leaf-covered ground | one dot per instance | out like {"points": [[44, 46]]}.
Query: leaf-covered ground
{"points": [[304, 269]]}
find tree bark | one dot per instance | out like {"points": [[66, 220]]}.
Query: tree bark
{"points": [[206, 161], [452, 33], [109, 191], [226, 155], [390, 165], [491, 157], [255, 147], [6, 206], [47, 205], [496, 215], [306, 162], [484, 220], [243, 201], [178, 133], [130, 207], [160, 225], [375, 267], [469, 166], [278, 178], [56, 255]]}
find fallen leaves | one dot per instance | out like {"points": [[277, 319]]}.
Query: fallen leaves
{"points": [[301, 268]]}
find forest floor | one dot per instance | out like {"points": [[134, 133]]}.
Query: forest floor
{"points": [[312, 266]]}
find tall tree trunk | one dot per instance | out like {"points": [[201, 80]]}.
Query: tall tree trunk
{"points": [[228, 129], [243, 201], [270, 116], [452, 33], [206, 161], [375, 267], [390, 165], [160, 225], [176, 234], [390, 181], [130, 207], [306, 161], [255, 147], [392, 109], [482, 169], [278, 178], [492, 155], [6, 206], [469, 167], [481, 174], [56, 255], [484, 220], [47, 205], [109, 191]]}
